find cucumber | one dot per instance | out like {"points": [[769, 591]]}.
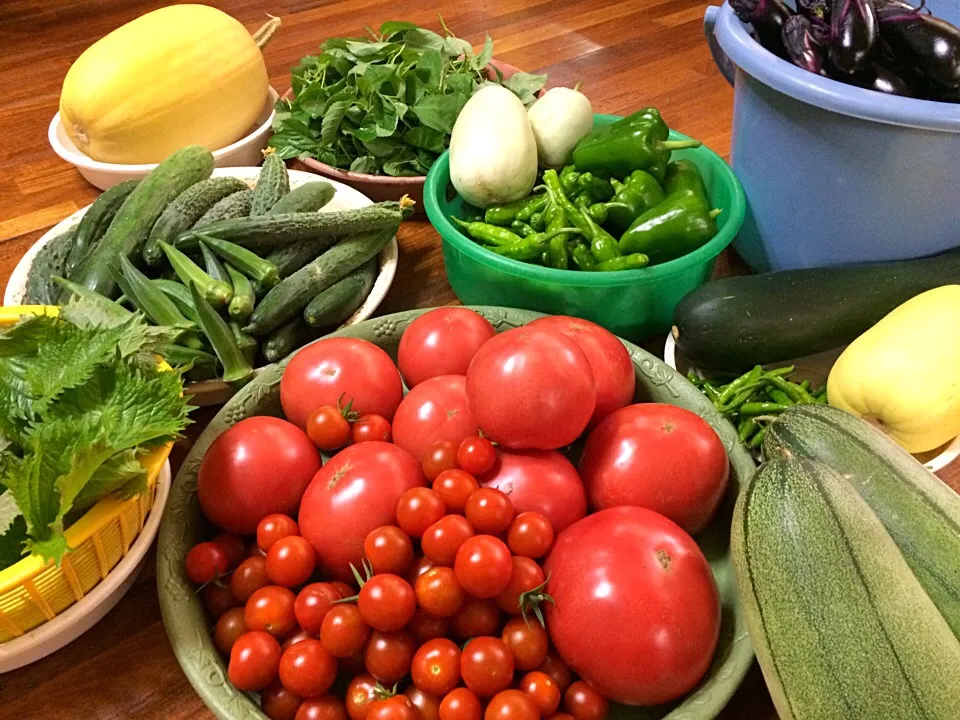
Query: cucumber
{"points": [[736, 322], [287, 338], [309, 197], [231, 207], [186, 210], [272, 184], [139, 212], [47, 263], [841, 627], [96, 220], [291, 258], [342, 299], [921, 513], [294, 293]]}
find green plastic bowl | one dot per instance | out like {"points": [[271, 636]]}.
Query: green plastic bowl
{"points": [[633, 304]]}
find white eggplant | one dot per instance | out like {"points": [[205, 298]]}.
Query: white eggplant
{"points": [[559, 119]]}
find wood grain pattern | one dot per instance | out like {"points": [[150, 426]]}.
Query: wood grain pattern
{"points": [[628, 53]]}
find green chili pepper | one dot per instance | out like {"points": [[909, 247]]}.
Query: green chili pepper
{"points": [[538, 221], [779, 396], [594, 188], [599, 212], [603, 245], [732, 388], [780, 372], [694, 379], [521, 228], [535, 206], [627, 262], [677, 226], [568, 180], [244, 298], [638, 193], [532, 247], [684, 176], [215, 292], [796, 393], [583, 257], [558, 255], [236, 367], [711, 392], [762, 408], [805, 384], [487, 233], [746, 429], [507, 213], [757, 440]]}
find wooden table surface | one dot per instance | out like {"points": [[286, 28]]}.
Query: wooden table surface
{"points": [[628, 53]]}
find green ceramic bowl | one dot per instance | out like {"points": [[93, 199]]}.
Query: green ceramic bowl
{"points": [[633, 304], [183, 525]]}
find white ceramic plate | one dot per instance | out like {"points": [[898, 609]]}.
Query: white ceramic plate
{"points": [[80, 617], [814, 368]]}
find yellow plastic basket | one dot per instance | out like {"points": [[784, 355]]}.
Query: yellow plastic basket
{"points": [[33, 591]]}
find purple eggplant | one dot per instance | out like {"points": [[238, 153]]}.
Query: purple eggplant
{"points": [[877, 77], [803, 47], [853, 34], [816, 11], [930, 45], [767, 18]]}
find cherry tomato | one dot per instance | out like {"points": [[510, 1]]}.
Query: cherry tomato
{"points": [[389, 550], [397, 707], [427, 704], [206, 562], [585, 703], [278, 703], [441, 342], [217, 599], [476, 455], [477, 617], [530, 535], [290, 561], [229, 627], [328, 428], [421, 564], [434, 410], [370, 428], [436, 666], [325, 707], [233, 546], [250, 576], [543, 691], [557, 669], [454, 487], [439, 456], [344, 633], [528, 642], [425, 627], [275, 527], [489, 511], [460, 704], [360, 693], [439, 593], [483, 566], [526, 576], [486, 666], [511, 705], [418, 509], [353, 665], [344, 589], [388, 655], [561, 716], [387, 602], [298, 635], [271, 609], [312, 605], [442, 540], [254, 659], [306, 669]]}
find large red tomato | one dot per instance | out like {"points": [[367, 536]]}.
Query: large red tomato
{"points": [[660, 457], [354, 493], [357, 370], [258, 467], [441, 342], [436, 409], [531, 388], [611, 364], [542, 481], [636, 613]]}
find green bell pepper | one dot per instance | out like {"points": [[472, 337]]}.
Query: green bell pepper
{"points": [[684, 175], [677, 226], [638, 193]]}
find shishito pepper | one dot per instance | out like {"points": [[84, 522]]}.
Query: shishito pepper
{"points": [[531, 247], [637, 142], [677, 226], [603, 246], [638, 193], [684, 175], [626, 262], [507, 213], [558, 255], [593, 188], [568, 180]]}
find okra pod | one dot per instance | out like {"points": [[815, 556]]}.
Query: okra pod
{"points": [[246, 261], [246, 342], [236, 367], [149, 298], [215, 292], [244, 298], [203, 365], [180, 294], [105, 304], [212, 264]]}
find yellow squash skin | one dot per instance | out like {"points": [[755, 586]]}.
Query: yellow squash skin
{"points": [[181, 75], [903, 374]]}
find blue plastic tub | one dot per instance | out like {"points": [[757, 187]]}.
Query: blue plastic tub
{"points": [[833, 173]]}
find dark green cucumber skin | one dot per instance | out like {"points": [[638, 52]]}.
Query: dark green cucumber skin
{"points": [[291, 258], [736, 322], [47, 263], [96, 220], [342, 299], [309, 197], [287, 338], [294, 293], [231, 207], [272, 184], [139, 212], [921, 514]]}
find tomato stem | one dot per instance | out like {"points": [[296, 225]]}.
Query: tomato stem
{"points": [[530, 601]]}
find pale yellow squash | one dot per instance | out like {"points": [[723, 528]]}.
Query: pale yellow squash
{"points": [[903, 374], [181, 75]]}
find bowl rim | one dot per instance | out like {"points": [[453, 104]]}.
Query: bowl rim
{"points": [[439, 175]]}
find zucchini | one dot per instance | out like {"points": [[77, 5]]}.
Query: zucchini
{"points": [[187, 209], [841, 627], [243, 300], [96, 220], [180, 294], [308, 197], [139, 212], [214, 291], [921, 514], [47, 263], [736, 322], [287, 338], [111, 308], [338, 302], [272, 184], [231, 207], [246, 261], [294, 293]]}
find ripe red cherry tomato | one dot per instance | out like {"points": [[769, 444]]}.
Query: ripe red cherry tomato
{"points": [[439, 456], [460, 704], [206, 562], [344, 633], [325, 707], [489, 511], [233, 546], [250, 576], [388, 655], [530, 535], [433, 411], [476, 455], [436, 666], [562, 716], [271, 609], [397, 707], [360, 693], [428, 705], [441, 342], [483, 566], [278, 703], [306, 669], [543, 691], [389, 550], [477, 617], [526, 576], [275, 527], [439, 593], [290, 561], [585, 703], [217, 599], [344, 589], [312, 605], [418, 509], [328, 428], [486, 666], [370, 428], [425, 627], [387, 602], [298, 635], [527, 641], [421, 564], [229, 627], [557, 669], [442, 540], [454, 487], [511, 705], [254, 659]]}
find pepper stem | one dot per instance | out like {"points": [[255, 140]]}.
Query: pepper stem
{"points": [[678, 144], [714, 213], [263, 34]]}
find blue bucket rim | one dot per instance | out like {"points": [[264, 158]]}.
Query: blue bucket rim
{"points": [[758, 62]]}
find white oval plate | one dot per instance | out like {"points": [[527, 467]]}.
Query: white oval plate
{"points": [[814, 368]]}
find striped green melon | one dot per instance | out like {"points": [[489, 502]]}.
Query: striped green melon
{"points": [[921, 514], [841, 627]]}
